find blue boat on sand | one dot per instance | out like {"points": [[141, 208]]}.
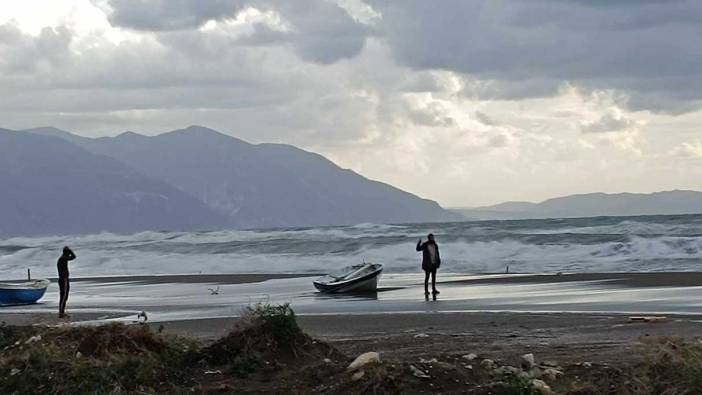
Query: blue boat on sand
{"points": [[22, 292]]}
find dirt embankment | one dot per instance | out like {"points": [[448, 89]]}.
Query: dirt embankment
{"points": [[268, 353]]}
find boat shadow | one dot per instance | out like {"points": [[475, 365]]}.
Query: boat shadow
{"points": [[364, 295]]}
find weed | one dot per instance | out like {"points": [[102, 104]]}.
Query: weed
{"points": [[671, 366], [519, 385]]}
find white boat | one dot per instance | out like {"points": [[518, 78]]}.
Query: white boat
{"points": [[357, 278]]}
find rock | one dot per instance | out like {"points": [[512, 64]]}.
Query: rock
{"points": [[416, 372], [33, 339], [14, 372], [327, 360], [503, 370], [433, 360], [224, 387], [587, 364], [211, 372], [78, 354], [420, 335], [551, 374], [535, 372], [488, 364], [444, 366], [470, 356], [541, 386], [363, 360], [527, 361], [358, 375]]}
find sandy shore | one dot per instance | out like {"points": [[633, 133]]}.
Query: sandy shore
{"points": [[647, 279], [495, 316], [596, 338], [190, 278], [651, 279], [557, 336]]}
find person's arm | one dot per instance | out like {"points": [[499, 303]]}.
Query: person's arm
{"points": [[71, 255], [438, 257], [419, 245]]}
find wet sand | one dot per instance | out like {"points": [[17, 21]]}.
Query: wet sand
{"points": [[648, 279], [651, 279], [191, 278]]}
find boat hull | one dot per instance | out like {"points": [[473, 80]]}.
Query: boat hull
{"points": [[365, 283], [22, 293]]}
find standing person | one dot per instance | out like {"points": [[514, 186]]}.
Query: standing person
{"points": [[430, 262], [64, 284]]}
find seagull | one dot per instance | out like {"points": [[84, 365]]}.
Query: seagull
{"points": [[214, 291]]}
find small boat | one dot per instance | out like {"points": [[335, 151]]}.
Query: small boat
{"points": [[357, 278], [22, 292]]}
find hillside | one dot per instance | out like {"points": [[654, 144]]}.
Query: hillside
{"points": [[54, 187], [593, 205], [261, 185]]}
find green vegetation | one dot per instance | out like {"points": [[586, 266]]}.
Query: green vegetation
{"points": [[117, 358], [671, 366], [519, 385], [106, 359], [267, 352]]}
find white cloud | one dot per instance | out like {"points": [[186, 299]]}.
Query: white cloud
{"points": [[612, 121], [464, 107]]}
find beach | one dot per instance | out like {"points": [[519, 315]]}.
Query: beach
{"points": [[586, 314], [583, 324]]}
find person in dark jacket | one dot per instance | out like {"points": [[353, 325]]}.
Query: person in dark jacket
{"points": [[431, 260], [64, 283]]}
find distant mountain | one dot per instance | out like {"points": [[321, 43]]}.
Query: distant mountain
{"points": [[593, 205], [51, 186], [260, 185]]}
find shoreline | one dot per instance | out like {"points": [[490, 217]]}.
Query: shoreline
{"points": [[629, 279]]}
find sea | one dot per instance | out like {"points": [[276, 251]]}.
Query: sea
{"points": [[599, 244]]}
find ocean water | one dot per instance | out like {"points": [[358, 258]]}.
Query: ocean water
{"points": [[601, 244]]}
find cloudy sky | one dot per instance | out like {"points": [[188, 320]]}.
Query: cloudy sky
{"points": [[464, 102]]}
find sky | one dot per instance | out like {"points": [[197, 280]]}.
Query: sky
{"points": [[465, 102]]}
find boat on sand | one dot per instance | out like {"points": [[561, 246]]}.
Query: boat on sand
{"points": [[22, 292], [356, 278]]}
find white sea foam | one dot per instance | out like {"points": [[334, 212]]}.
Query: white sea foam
{"points": [[526, 246]]}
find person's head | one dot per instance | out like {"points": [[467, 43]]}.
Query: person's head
{"points": [[66, 250], [430, 237]]}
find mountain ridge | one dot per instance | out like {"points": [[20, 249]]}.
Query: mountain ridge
{"points": [[60, 188], [259, 185], [671, 202]]}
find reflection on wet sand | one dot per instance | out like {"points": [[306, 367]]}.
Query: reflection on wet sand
{"points": [[398, 293]]}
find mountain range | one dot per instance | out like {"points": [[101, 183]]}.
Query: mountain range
{"points": [[189, 179], [593, 205]]}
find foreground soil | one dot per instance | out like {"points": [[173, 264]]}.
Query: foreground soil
{"points": [[268, 352]]}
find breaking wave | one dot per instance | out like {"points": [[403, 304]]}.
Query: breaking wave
{"points": [[651, 243]]}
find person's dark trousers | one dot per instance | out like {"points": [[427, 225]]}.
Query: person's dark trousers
{"points": [[64, 287], [426, 280]]}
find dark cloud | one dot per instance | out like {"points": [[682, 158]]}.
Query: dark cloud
{"points": [[607, 45], [167, 14], [320, 31]]}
